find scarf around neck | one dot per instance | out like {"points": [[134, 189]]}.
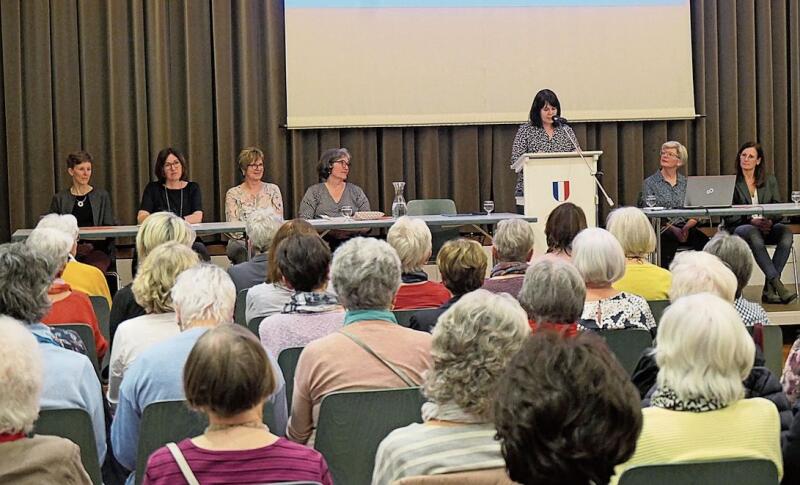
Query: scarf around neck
{"points": [[414, 277], [666, 398], [502, 269], [354, 316], [310, 302]]}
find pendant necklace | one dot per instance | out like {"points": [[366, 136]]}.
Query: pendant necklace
{"points": [[81, 201]]}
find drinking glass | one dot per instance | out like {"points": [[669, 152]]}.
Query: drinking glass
{"points": [[796, 196], [488, 206], [650, 200], [347, 211]]}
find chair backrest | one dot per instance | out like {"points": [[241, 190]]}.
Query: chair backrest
{"points": [[239, 308], [103, 313], [490, 476], [439, 235], [112, 279], [751, 472], [352, 424], [773, 348], [76, 426], [172, 421], [627, 345], [657, 308], [254, 324], [84, 331], [404, 317], [287, 361]]}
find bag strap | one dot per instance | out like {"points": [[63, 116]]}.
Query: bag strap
{"points": [[397, 371], [182, 464]]}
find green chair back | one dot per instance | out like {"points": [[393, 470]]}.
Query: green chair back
{"points": [[439, 235], [751, 472], [287, 361], [404, 317], [254, 324], [76, 426], [239, 308], [84, 331], [657, 307], [172, 421], [627, 345], [352, 424], [773, 348], [103, 313]]}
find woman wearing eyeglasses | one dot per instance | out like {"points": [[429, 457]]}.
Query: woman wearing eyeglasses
{"points": [[669, 189], [173, 192], [334, 192], [251, 195]]}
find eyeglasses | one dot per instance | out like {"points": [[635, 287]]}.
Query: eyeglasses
{"points": [[171, 164], [343, 163], [256, 165], [669, 154]]}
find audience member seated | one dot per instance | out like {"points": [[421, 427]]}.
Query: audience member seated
{"points": [[695, 272], [565, 411], [511, 250], [227, 377], [411, 238], [366, 276], [26, 458], [632, 229], [462, 264], [553, 295], [252, 195], [271, 296], [471, 346], [304, 261], [735, 253], [203, 297], [599, 258], [791, 452], [67, 306], [261, 228], [158, 228], [80, 276], [151, 288], [563, 224], [699, 411], [70, 380]]}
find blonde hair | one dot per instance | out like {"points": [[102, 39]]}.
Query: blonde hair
{"points": [[159, 228], [683, 154], [700, 272], [703, 349], [157, 274], [21, 377], [632, 229], [411, 238], [247, 156], [462, 263]]}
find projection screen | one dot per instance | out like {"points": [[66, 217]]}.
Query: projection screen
{"points": [[439, 62]]}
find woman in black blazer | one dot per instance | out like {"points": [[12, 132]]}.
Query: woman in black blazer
{"points": [[754, 187]]}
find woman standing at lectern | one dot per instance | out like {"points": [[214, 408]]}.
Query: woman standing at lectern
{"points": [[540, 135]]}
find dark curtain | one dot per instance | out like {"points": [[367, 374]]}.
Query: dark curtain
{"points": [[124, 79]]}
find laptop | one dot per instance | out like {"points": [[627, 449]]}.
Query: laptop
{"points": [[709, 191]]}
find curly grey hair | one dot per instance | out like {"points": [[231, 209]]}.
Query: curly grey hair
{"points": [[553, 291], [261, 227], [472, 343], [365, 274], [25, 277], [513, 240]]}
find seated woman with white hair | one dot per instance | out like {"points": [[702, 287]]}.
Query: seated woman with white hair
{"points": [[553, 295], [68, 306], [26, 458], [472, 343], [151, 288], [512, 249], [411, 238], [632, 229], [699, 411], [599, 258]]}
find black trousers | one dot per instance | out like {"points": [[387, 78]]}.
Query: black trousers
{"points": [[670, 244]]}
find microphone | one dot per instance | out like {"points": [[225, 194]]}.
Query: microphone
{"points": [[558, 120]]}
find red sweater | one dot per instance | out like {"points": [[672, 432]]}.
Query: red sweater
{"points": [[427, 294], [76, 308], [565, 329]]}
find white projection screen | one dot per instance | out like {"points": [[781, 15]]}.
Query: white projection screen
{"points": [[439, 62]]}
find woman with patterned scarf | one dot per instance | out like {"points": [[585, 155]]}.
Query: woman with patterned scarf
{"points": [[512, 249]]}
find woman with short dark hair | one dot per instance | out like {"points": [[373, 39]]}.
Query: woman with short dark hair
{"points": [[172, 191], [563, 224], [334, 191], [227, 377]]}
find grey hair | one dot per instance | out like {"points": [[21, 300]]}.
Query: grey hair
{"points": [[261, 227], [700, 272], [203, 292], [365, 274], [734, 252], [66, 223], [21, 377], [25, 277], [632, 229], [411, 238], [472, 343], [683, 154], [513, 240], [53, 244], [553, 291], [598, 256], [703, 349]]}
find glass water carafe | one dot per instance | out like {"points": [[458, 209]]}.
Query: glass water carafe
{"points": [[399, 207]]}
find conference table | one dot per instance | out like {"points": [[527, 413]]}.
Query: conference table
{"points": [[322, 225], [657, 215]]}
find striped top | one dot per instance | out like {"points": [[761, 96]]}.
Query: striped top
{"points": [[428, 449], [282, 461]]}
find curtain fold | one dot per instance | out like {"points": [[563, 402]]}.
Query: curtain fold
{"points": [[125, 79]]}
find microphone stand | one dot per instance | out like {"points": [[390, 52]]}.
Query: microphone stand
{"points": [[592, 172]]}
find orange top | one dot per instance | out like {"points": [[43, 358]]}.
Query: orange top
{"points": [[76, 308]]}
